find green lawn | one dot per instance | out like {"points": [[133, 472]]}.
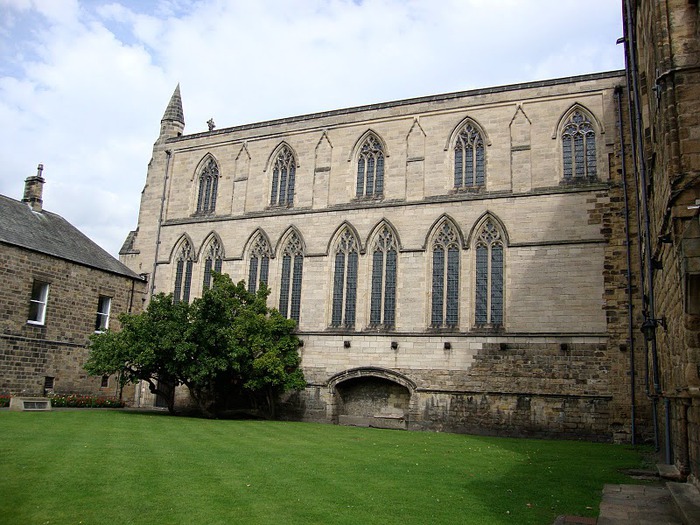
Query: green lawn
{"points": [[118, 467]]}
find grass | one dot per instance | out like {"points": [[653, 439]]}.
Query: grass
{"points": [[96, 467]]}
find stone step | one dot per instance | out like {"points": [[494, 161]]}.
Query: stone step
{"points": [[670, 472], [686, 497]]}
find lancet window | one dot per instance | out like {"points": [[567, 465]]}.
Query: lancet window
{"points": [[489, 276], [445, 289], [370, 169], [208, 185], [292, 266], [283, 173], [259, 263], [579, 148], [183, 273], [212, 261], [470, 170], [345, 281], [383, 299]]}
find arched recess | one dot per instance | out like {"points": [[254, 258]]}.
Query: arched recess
{"points": [[271, 159], [372, 396], [213, 236]]}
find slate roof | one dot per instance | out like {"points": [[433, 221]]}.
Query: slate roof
{"points": [[51, 234]]}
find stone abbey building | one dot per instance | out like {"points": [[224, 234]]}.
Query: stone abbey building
{"points": [[520, 260], [454, 262]]}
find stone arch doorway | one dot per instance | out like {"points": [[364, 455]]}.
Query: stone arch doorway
{"points": [[371, 397]]}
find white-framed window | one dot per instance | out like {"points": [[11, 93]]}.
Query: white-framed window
{"points": [[37, 303], [104, 304]]}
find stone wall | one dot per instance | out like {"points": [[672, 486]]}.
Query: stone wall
{"points": [[30, 353], [666, 37], [560, 364]]}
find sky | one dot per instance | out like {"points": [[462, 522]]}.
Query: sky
{"points": [[84, 83]]}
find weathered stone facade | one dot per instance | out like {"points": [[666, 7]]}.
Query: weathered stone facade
{"points": [[37, 357], [531, 339], [663, 62]]}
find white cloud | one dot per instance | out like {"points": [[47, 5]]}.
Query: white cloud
{"points": [[83, 84]]}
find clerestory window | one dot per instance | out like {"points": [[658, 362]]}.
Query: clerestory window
{"points": [[345, 281], [579, 149], [370, 169], [383, 299], [259, 265], [208, 186], [445, 288], [489, 276], [290, 290], [470, 170], [183, 273], [283, 173]]}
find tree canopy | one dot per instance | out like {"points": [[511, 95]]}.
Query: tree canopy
{"points": [[225, 346]]}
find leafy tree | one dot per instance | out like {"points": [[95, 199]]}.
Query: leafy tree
{"points": [[226, 343]]}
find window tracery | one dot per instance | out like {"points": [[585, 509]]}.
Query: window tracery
{"points": [[183, 273], [212, 261], [579, 148], [208, 186], [292, 267], [489, 276], [445, 287], [383, 296], [345, 281], [370, 169], [283, 174], [259, 263], [470, 170]]}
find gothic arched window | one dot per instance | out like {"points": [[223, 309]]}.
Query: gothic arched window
{"points": [[470, 171], [259, 263], [292, 266], [283, 172], [489, 276], [578, 148], [345, 281], [183, 273], [370, 168], [208, 184], [212, 261], [445, 291], [383, 300]]}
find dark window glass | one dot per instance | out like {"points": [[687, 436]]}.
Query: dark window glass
{"points": [[208, 184]]}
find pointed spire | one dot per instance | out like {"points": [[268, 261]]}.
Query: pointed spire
{"points": [[173, 112]]}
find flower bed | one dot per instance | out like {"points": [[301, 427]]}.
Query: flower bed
{"points": [[5, 400], [84, 401]]}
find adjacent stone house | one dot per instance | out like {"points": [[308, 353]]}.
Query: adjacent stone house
{"points": [[454, 262], [56, 288]]}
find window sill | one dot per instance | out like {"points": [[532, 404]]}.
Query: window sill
{"points": [[36, 323]]}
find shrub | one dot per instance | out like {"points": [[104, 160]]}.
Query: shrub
{"points": [[5, 400], [84, 401]]}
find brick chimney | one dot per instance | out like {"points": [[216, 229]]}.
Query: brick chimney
{"points": [[33, 189]]}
